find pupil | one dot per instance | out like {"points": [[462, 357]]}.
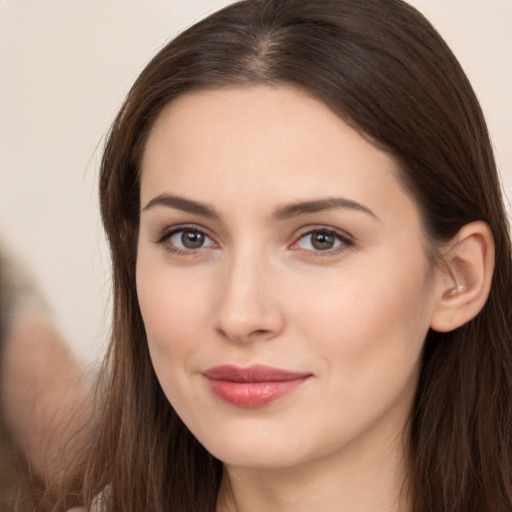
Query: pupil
{"points": [[322, 241], [192, 239]]}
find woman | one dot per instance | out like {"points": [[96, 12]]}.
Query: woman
{"points": [[311, 273]]}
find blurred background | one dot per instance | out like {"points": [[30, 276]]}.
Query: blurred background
{"points": [[65, 67]]}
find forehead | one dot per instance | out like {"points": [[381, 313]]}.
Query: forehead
{"points": [[270, 143], [260, 116]]}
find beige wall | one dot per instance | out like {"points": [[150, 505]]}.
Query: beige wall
{"points": [[64, 69]]}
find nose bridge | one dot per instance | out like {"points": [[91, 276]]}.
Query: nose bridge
{"points": [[247, 307]]}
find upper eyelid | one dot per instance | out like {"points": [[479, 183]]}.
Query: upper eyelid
{"points": [[328, 229], [167, 232], [165, 236]]}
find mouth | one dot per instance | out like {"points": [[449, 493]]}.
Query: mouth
{"points": [[254, 386]]}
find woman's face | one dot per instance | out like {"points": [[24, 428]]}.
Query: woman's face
{"points": [[282, 278]]}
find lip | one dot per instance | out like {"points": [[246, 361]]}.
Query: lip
{"points": [[253, 386]]}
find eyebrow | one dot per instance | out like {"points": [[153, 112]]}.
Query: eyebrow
{"points": [[282, 213], [320, 205], [180, 203]]}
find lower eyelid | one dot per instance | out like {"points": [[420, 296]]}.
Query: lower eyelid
{"points": [[206, 237]]}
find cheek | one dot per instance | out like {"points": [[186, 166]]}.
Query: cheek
{"points": [[371, 321], [171, 309], [369, 340]]}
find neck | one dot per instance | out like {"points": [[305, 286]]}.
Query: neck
{"points": [[353, 480]]}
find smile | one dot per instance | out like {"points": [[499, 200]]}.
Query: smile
{"points": [[254, 386]]}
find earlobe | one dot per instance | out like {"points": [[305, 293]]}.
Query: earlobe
{"points": [[464, 284]]}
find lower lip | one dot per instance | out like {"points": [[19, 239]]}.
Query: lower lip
{"points": [[253, 394]]}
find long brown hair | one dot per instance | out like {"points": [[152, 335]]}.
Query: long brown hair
{"points": [[381, 67]]}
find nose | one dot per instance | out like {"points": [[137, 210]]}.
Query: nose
{"points": [[248, 306]]}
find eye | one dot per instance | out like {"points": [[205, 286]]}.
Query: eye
{"points": [[322, 240], [188, 240]]}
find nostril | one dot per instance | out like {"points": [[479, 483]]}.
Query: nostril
{"points": [[259, 333], [241, 335]]}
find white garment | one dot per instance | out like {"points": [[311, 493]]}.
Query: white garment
{"points": [[98, 503]]}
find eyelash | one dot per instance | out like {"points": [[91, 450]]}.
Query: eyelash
{"points": [[345, 240], [169, 233]]}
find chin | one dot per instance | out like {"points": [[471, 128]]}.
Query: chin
{"points": [[257, 459], [257, 448]]}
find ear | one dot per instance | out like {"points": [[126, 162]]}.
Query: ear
{"points": [[463, 284]]}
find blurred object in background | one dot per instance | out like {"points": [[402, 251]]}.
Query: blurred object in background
{"points": [[45, 397]]}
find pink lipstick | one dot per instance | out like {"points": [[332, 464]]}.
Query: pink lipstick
{"points": [[254, 386]]}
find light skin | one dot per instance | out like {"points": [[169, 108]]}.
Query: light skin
{"points": [[272, 233]]}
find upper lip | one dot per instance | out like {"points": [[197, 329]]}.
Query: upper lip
{"points": [[256, 373]]}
